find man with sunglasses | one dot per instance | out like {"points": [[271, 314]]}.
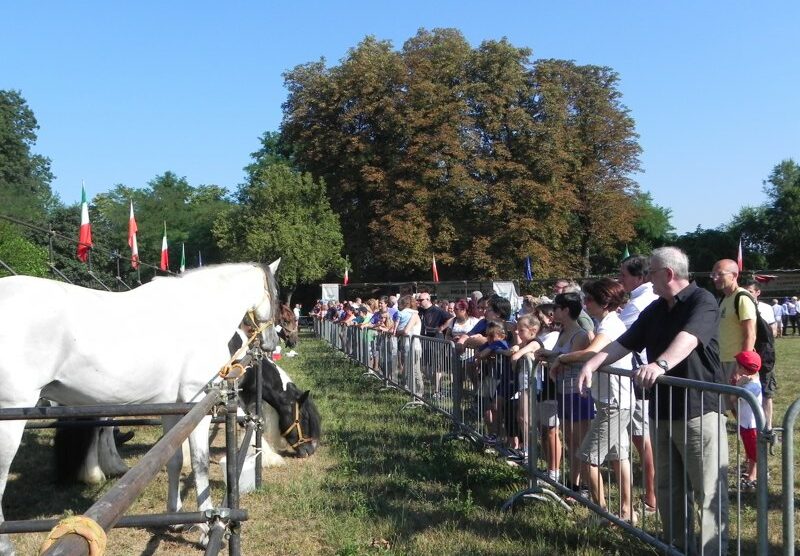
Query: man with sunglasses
{"points": [[432, 316], [737, 325]]}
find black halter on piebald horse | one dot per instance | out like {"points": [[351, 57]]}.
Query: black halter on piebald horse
{"points": [[298, 418]]}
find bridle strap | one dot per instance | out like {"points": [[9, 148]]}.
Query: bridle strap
{"points": [[226, 368], [296, 425]]}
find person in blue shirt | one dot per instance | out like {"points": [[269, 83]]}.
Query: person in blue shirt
{"points": [[493, 379]]}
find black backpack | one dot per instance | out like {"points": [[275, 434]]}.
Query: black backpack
{"points": [[765, 340]]}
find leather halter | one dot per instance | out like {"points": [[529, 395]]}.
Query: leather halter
{"points": [[300, 438]]}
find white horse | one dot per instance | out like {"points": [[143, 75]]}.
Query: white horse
{"points": [[162, 342]]}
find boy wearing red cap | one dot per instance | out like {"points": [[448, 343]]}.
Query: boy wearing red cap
{"points": [[748, 364]]}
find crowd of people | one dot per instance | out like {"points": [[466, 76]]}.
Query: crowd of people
{"points": [[652, 320]]}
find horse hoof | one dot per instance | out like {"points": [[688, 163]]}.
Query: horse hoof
{"points": [[176, 528], [203, 528], [123, 437]]}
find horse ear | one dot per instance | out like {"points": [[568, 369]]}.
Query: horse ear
{"points": [[303, 397], [273, 267]]}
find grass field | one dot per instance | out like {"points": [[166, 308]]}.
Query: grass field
{"points": [[383, 482]]}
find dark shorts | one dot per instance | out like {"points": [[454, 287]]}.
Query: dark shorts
{"points": [[769, 385], [574, 407]]}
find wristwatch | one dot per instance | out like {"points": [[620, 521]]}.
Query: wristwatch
{"points": [[663, 364]]}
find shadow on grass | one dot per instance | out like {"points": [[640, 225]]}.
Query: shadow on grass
{"points": [[394, 468]]}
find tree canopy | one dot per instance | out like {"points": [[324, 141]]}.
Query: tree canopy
{"points": [[24, 176], [475, 155], [282, 213]]}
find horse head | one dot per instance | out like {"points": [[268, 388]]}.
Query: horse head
{"points": [[298, 418], [288, 324], [264, 313]]}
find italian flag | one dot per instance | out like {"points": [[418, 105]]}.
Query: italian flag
{"points": [[164, 252], [435, 271], [346, 277], [132, 229], [85, 234]]}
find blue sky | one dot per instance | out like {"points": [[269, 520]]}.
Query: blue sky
{"points": [[126, 91]]}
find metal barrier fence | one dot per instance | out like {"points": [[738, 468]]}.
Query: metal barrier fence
{"points": [[696, 506], [108, 512]]}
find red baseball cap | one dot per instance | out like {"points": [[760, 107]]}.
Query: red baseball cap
{"points": [[749, 360]]}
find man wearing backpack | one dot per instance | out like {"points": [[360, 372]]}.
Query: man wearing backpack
{"points": [[737, 316]]}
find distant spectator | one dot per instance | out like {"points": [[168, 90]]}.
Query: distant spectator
{"points": [[433, 317], [791, 307], [461, 323], [408, 325], [777, 310], [764, 309]]}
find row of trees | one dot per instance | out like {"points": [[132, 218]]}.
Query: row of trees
{"points": [[277, 212]]}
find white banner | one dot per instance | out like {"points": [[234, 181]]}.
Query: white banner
{"points": [[509, 291], [330, 292]]}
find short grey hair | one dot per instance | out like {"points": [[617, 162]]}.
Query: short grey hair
{"points": [[573, 287], [671, 257]]}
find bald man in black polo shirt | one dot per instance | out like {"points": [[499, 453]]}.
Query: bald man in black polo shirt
{"points": [[680, 332]]}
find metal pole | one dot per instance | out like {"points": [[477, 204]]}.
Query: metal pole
{"points": [[235, 541], [787, 467], [129, 410], [110, 508], [139, 521], [258, 369]]}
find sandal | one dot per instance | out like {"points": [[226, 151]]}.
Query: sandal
{"points": [[649, 510]]}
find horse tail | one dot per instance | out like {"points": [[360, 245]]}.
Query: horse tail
{"points": [[71, 448]]}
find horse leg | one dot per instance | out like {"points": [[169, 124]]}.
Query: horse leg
{"points": [[10, 437], [110, 461], [90, 471], [198, 446], [173, 470]]}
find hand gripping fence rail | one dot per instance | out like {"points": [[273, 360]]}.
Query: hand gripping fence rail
{"points": [[665, 464], [108, 511]]}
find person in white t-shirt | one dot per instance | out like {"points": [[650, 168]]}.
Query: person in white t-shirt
{"points": [[607, 438], [764, 309], [777, 310], [634, 279]]}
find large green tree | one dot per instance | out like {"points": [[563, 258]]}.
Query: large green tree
{"points": [[475, 155], [783, 214], [24, 176], [283, 213]]}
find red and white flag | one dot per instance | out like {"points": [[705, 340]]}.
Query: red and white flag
{"points": [[739, 256], [85, 234], [132, 229], [346, 277], [435, 272], [164, 251]]}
